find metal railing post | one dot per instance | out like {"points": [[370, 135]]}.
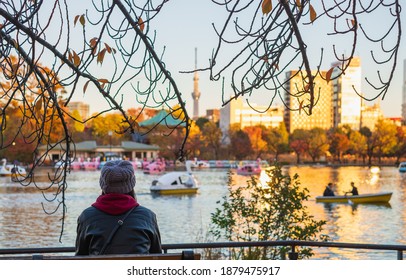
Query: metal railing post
{"points": [[400, 255], [293, 255]]}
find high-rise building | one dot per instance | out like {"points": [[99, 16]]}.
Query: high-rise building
{"points": [[239, 112], [371, 115], [404, 93], [296, 118], [196, 92], [347, 103]]}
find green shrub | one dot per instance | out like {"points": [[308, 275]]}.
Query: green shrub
{"points": [[273, 211]]}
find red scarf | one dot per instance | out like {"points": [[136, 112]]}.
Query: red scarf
{"points": [[115, 203]]}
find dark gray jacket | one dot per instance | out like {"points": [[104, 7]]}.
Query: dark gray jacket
{"points": [[138, 235]]}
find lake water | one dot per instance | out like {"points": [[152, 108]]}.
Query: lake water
{"points": [[186, 219]]}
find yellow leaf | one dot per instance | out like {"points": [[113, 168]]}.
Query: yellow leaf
{"points": [[266, 6], [85, 86], [328, 74], [313, 14], [141, 24], [353, 22], [82, 20]]}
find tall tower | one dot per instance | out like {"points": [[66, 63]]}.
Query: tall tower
{"points": [[404, 93], [196, 92]]}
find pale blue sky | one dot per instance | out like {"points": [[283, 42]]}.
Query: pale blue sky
{"points": [[184, 25]]}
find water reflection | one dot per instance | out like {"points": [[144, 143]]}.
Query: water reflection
{"points": [[187, 218]]}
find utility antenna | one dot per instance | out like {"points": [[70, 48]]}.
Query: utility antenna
{"points": [[195, 58]]}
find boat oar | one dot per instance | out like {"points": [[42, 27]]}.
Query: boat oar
{"points": [[349, 200]]}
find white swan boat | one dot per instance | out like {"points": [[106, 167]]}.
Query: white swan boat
{"points": [[11, 169], [176, 182]]}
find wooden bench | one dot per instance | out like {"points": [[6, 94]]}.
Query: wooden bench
{"points": [[184, 255]]}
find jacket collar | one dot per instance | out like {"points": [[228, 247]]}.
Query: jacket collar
{"points": [[115, 203]]}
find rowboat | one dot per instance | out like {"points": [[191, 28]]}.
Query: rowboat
{"points": [[362, 198]]}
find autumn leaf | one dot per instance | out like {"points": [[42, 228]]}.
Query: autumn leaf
{"points": [[85, 86], [82, 20], [76, 59], [266, 6], [328, 74], [100, 56], [103, 82], [298, 4], [141, 24], [76, 20], [93, 42], [313, 14], [14, 69], [70, 58], [107, 47], [276, 65], [38, 105]]}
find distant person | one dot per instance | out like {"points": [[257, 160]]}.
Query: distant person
{"points": [[116, 223], [354, 189], [329, 190]]}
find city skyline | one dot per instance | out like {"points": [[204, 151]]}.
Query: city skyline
{"points": [[182, 27]]}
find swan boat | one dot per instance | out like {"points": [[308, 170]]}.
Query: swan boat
{"points": [[156, 167], [11, 169], [402, 167], [383, 197], [249, 169], [176, 182]]}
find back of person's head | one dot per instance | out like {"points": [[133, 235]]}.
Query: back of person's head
{"points": [[117, 176]]}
